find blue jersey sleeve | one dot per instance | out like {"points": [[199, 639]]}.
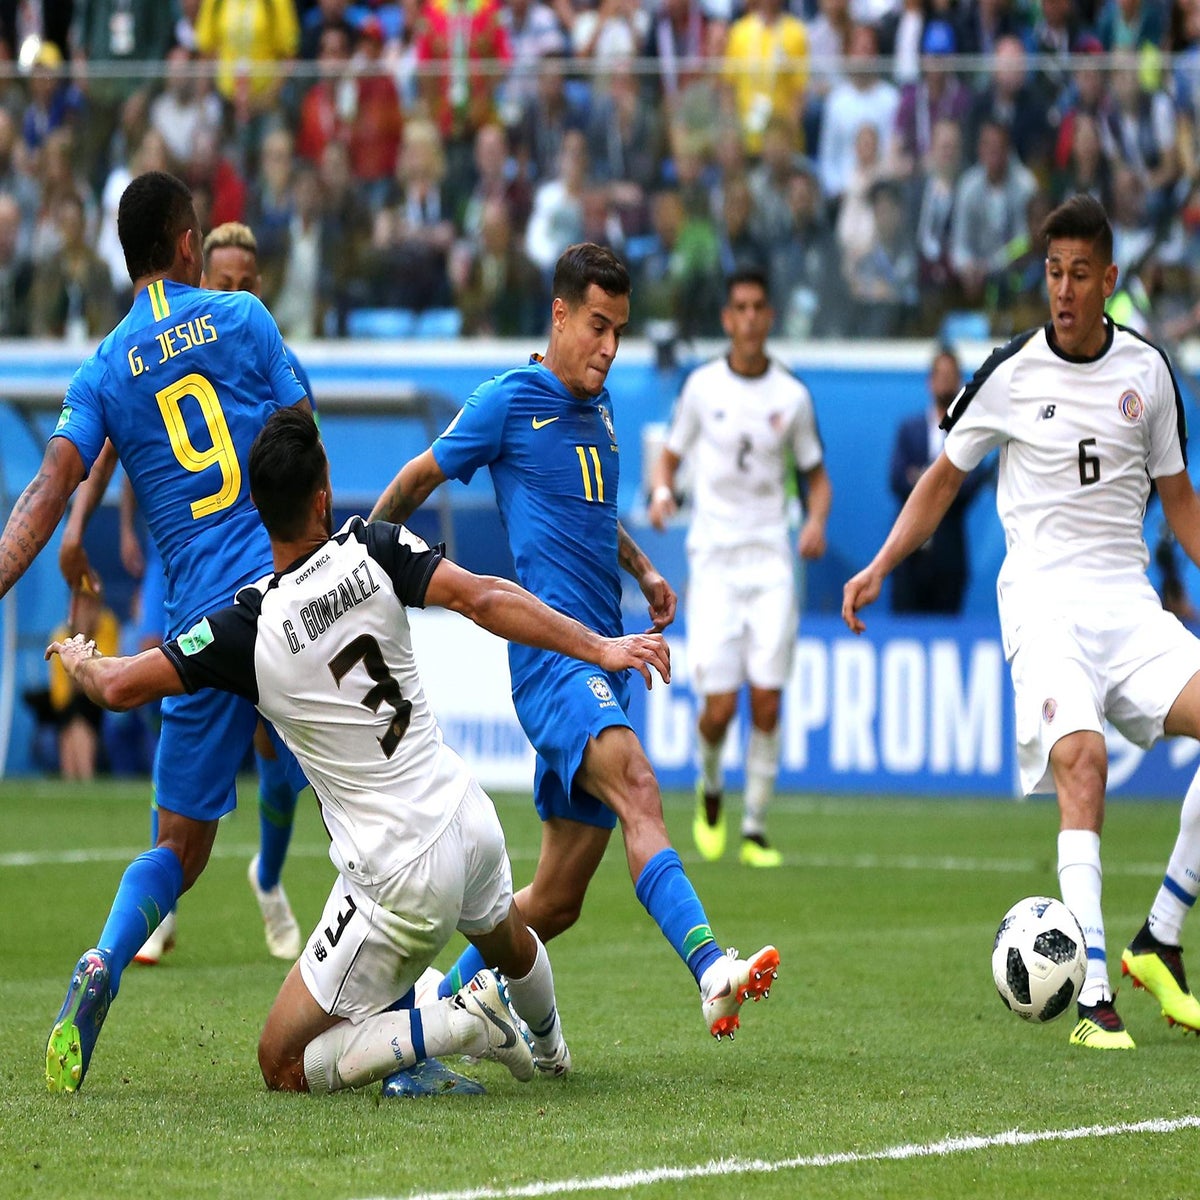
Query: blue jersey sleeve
{"points": [[476, 435], [302, 376], [81, 420], [281, 376]]}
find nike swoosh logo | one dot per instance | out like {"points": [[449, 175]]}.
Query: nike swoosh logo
{"points": [[542, 424]]}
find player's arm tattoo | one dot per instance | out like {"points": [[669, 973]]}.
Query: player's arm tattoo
{"points": [[630, 556], [409, 490], [395, 505], [36, 514]]}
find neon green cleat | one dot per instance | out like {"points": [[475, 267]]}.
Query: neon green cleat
{"points": [[1100, 1028], [1160, 972], [709, 837], [755, 854]]}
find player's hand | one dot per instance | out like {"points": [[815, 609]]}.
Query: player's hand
{"points": [[860, 591], [638, 652], [73, 650], [661, 597], [76, 570], [662, 507], [811, 542]]}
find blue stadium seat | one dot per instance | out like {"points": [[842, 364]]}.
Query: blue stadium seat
{"points": [[439, 323], [381, 323]]}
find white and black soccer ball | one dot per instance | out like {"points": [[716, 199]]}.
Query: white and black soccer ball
{"points": [[1039, 960]]}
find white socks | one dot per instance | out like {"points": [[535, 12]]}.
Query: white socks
{"points": [[762, 766], [1181, 884], [712, 777], [1079, 880], [533, 999]]}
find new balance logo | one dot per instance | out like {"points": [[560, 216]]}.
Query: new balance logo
{"points": [[1045, 412]]}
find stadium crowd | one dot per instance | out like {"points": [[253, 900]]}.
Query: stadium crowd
{"points": [[418, 167]]}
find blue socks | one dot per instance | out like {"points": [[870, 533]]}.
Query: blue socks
{"points": [[276, 813], [668, 896], [148, 891], [468, 964]]}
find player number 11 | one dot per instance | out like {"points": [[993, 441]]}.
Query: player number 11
{"points": [[592, 491]]}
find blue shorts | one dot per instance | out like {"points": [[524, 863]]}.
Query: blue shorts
{"points": [[203, 742], [561, 705]]}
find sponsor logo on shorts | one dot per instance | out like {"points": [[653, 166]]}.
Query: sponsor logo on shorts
{"points": [[1131, 406], [1049, 708], [601, 691]]}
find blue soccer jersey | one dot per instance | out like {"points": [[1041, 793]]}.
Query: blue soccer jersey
{"points": [[182, 386], [555, 468]]}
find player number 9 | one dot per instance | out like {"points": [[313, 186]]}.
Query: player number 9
{"points": [[221, 453]]}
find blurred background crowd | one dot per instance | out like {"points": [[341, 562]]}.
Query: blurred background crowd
{"points": [[416, 168]]}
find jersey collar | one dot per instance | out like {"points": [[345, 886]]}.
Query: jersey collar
{"points": [[1109, 328]]}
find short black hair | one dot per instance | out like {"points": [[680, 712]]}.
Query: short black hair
{"points": [[287, 468], [583, 264], [154, 210], [754, 275], [1083, 217]]}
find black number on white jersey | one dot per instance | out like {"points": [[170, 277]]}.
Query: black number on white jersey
{"points": [[343, 919], [745, 446], [1089, 464], [365, 650]]}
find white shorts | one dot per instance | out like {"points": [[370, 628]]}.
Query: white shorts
{"points": [[1127, 665], [372, 944], [742, 620]]}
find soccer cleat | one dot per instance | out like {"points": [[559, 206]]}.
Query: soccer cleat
{"points": [[505, 1043], [709, 837], [1159, 970], [757, 854], [1101, 1028], [283, 933], [430, 1077], [69, 1048], [158, 943], [554, 1065], [729, 982]]}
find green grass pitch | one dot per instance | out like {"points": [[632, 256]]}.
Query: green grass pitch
{"points": [[882, 1033]]}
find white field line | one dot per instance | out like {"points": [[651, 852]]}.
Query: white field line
{"points": [[812, 862], [726, 1167]]}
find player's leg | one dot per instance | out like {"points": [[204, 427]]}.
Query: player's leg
{"points": [[708, 824], [207, 728], [615, 770], [762, 768], [279, 785], [162, 939]]}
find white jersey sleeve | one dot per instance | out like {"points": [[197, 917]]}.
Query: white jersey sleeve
{"points": [[685, 420]]}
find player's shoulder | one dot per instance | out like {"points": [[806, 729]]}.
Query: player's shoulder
{"points": [[1137, 343], [786, 379], [996, 369]]}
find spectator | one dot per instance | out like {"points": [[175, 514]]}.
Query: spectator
{"points": [[347, 232], [212, 175], [17, 182], [611, 33], [1055, 34], [678, 34], [883, 278], [1016, 299], [54, 101], [766, 70], [557, 218], [57, 172], [295, 284], [1131, 24], [855, 228], [16, 271], [1087, 94], [935, 224], [414, 231], [680, 279], [1010, 98], [496, 178], [328, 108], [315, 19], [741, 247], [183, 108], [937, 95], [806, 270], [1133, 228], [501, 291], [626, 141], [71, 295], [770, 181], [1088, 169], [934, 579], [862, 96], [269, 200], [981, 24], [599, 221], [151, 155], [828, 43], [534, 33], [545, 120], [989, 211]]}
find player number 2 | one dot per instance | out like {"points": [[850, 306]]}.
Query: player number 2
{"points": [[365, 649], [591, 469], [221, 453], [1089, 464]]}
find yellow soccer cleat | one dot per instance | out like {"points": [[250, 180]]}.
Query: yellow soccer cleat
{"points": [[1159, 970], [756, 854], [709, 837], [1100, 1028]]}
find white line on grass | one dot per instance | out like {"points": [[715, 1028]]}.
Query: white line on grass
{"points": [[736, 1166]]}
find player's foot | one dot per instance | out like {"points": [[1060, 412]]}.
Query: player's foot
{"points": [[556, 1063], [430, 1077], [283, 933], [756, 853], [69, 1048], [1101, 1028], [504, 1041], [729, 982], [158, 943], [1158, 968], [708, 825]]}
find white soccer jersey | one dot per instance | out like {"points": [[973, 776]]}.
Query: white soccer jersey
{"points": [[323, 650], [1080, 441], [738, 432]]}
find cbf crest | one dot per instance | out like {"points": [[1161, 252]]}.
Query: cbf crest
{"points": [[608, 423], [1131, 406], [601, 690]]}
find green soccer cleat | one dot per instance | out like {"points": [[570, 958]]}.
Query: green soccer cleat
{"points": [[758, 854], [709, 836], [1100, 1028], [73, 1038], [1159, 971]]}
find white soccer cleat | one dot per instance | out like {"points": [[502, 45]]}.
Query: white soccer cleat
{"points": [[505, 1044], [552, 1066], [729, 982], [282, 931], [158, 943]]}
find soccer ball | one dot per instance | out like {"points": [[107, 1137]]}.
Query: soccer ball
{"points": [[1039, 960]]}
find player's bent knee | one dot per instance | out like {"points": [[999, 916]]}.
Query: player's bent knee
{"points": [[280, 1073]]}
